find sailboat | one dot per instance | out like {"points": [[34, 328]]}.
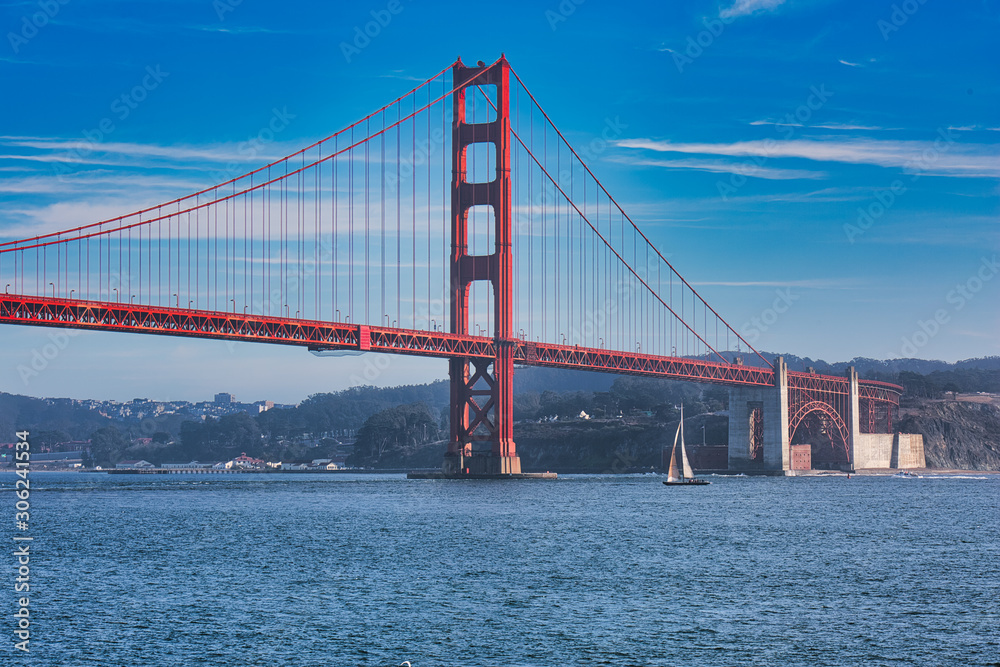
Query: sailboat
{"points": [[686, 476]]}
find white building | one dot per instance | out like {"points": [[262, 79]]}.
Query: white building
{"points": [[134, 465]]}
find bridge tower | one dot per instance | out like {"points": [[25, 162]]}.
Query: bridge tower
{"points": [[482, 391]]}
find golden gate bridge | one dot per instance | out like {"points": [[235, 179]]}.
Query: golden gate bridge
{"points": [[457, 222]]}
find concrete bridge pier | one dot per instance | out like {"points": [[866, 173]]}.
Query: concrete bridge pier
{"points": [[759, 430], [758, 424]]}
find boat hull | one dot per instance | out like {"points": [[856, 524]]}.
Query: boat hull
{"points": [[690, 482]]}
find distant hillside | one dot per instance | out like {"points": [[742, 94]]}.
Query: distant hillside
{"points": [[956, 435], [60, 416], [535, 379], [864, 365]]}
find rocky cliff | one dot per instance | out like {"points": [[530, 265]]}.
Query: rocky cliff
{"points": [[957, 434]]}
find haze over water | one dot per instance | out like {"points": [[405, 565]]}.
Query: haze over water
{"points": [[613, 570]]}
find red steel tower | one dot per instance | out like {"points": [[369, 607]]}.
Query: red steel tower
{"points": [[482, 391]]}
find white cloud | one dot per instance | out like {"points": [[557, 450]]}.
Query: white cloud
{"points": [[749, 169], [77, 149], [92, 183], [64, 215], [849, 126], [818, 283], [930, 157], [828, 126], [849, 64], [746, 7], [824, 195]]}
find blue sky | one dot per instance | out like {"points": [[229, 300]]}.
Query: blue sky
{"points": [[825, 172]]}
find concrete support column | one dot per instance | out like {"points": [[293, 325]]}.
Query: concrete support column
{"points": [[774, 404], [853, 418], [777, 455]]}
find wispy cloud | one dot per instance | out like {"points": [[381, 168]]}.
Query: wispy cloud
{"points": [[849, 127], [32, 220], [93, 183], [747, 7], [399, 74], [938, 229], [828, 126], [821, 196], [973, 128], [947, 159], [723, 167], [75, 147], [818, 283], [849, 64], [242, 30]]}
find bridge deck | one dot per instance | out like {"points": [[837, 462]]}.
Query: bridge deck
{"points": [[135, 318]]}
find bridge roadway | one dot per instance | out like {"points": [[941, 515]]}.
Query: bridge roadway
{"points": [[317, 335]]}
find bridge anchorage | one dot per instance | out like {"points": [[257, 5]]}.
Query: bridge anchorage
{"points": [[358, 242]]}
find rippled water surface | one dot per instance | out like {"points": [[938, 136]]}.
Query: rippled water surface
{"points": [[603, 570]]}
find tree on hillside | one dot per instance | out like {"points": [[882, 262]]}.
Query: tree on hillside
{"points": [[394, 433], [44, 441], [223, 438], [651, 394], [107, 446]]}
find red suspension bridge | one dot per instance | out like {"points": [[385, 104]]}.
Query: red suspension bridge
{"points": [[454, 222]]}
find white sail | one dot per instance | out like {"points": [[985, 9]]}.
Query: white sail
{"points": [[685, 466], [672, 475]]}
